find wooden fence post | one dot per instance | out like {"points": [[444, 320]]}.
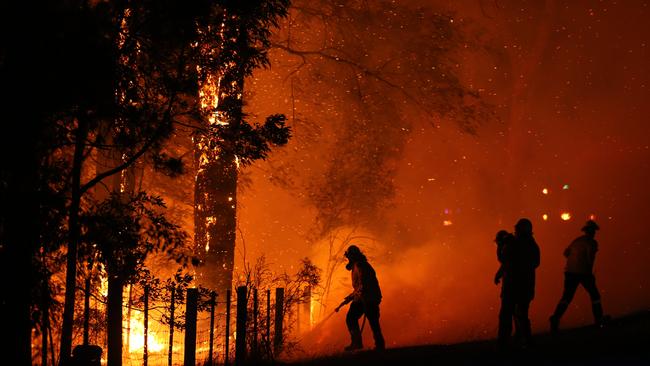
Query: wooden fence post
{"points": [[191, 305], [213, 303], [279, 314], [268, 321]]}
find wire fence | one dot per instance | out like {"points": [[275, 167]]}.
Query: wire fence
{"points": [[154, 332]]}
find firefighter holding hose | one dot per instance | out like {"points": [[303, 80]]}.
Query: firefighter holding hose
{"points": [[364, 299]]}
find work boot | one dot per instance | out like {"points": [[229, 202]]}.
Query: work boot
{"points": [[356, 342]]}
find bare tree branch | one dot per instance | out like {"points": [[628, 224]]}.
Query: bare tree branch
{"points": [[358, 66]]}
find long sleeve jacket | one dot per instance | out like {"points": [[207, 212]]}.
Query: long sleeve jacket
{"points": [[520, 259], [580, 255], [365, 283]]}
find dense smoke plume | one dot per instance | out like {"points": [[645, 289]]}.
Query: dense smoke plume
{"points": [[424, 194]]}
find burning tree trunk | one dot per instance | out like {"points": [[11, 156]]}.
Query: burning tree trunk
{"points": [[215, 209], [215, 194], [227, 139]]}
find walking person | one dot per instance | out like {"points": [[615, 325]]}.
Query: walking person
{"points": [[580, 256], [520, 259], [365, 299]]}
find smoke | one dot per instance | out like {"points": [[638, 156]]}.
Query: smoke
{"points": [[573, 111]]}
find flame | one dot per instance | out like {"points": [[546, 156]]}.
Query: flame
{"points": [[545, 191], [209, 90], [312, 317], [545, 217], [136, 335], [103, 286], [566, 216], [209, 97], [447, 223]]}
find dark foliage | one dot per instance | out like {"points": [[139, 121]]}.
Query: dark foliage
{"points": [[126, 229]]}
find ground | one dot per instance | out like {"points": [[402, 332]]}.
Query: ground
{"points": [[624, 341]]}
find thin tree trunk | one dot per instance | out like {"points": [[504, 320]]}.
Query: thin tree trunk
{"points": [[52, 354], [145, 350], [171, 327], [45, 321], [255, 330], [73, 240], [128, 315], [87, 310]]}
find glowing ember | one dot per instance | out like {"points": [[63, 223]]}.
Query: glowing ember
{"points": [[545, 191], [545, 217], [566, 216], [447, 223], [592, 217], [565, 187]]}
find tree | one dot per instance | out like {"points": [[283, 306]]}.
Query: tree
{"points": [[227, 139], [150, 58], [385, 65], [43, 72], [258, 277], [376, 73], [126, 229]]}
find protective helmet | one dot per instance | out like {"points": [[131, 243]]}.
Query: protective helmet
{"points": [[590, 225], [524, 226], [353, 251], [502, 234]]}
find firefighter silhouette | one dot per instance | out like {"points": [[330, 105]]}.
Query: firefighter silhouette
{"points": [[364, 299], [519, 258], [580, 256]]}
